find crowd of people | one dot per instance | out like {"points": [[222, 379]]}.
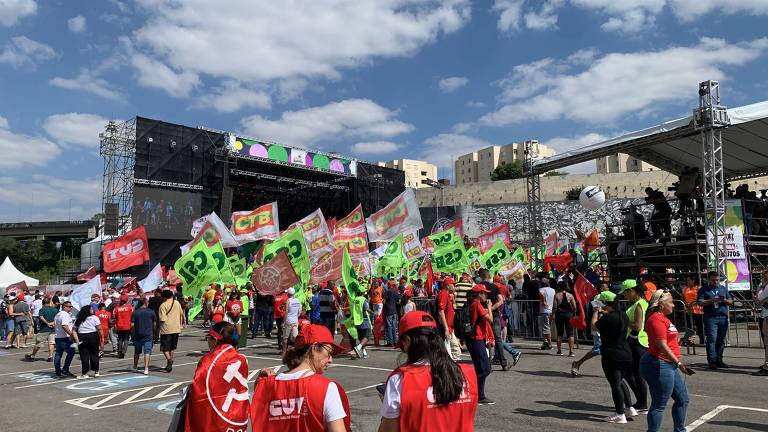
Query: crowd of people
{"points": [[632, 328]]}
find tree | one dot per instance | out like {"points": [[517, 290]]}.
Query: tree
{"points": [[555, 173], [507, 171], [573, 193]]}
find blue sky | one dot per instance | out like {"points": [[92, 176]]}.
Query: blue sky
{"points": [[374, 79]]}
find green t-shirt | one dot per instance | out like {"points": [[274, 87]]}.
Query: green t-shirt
{"points": [[246, 305], [642, 336], [49, 314]]}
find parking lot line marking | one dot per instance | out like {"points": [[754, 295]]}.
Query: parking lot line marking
{"points": [[56, 381], [717, 410], [99, 404], [362, 388]]}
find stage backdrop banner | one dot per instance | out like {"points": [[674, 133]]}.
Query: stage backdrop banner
{"points": [[262, 223], [398, 217]]}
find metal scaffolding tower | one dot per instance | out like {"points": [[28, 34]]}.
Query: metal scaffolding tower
{"points": [[709, 118], [118, 148], [533, 195]]}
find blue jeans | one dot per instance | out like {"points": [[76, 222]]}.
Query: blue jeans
{"points": [[664, 381], [481, 363], [509, 348], [390, 329], [263, 320], [329, 321], [716, 329], [62, 345]]}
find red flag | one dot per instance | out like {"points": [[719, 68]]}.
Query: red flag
{"points": [[275, 276], [130, 250], [378, 329], [591, 242], [328, 268], [18, 287], [87, 275], [218, 395], [486, 240], [583, 290], [425, 274], [457, 225], [559, 262]]}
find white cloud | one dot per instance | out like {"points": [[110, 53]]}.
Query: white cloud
{"points": [[448, 85], [625, 15], [232, 96], [262, 42], [48, 198], [689, 10], [23, 51], [510, 14], [75, 128], [155, 74], [12, 10], [87, 82], [615, 84], [441, 149], [19, 150], [358, 118], [564, 144], [545, 18], [375, 147], [514, 15], [76, 24]]}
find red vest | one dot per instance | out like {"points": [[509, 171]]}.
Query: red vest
{"points": [[418, 411], [123, 317], [104, 317], [292, 405]]}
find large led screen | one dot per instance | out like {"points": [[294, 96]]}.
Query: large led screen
{"points": [[165, 213]]}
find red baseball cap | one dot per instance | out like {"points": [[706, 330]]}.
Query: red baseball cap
{"points": [[391, 283], [412, 320], [317, 334], [449, 281], [498, 278], [124, 297], [480, 288]]}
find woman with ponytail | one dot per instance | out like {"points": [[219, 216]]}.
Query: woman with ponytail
{"points": [[430, 392]]}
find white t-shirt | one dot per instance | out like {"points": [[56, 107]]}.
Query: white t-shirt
{"points": [[332, 407], [293, 309], [89, 325], [549, 296], [390, 404], [36, 306], [62, 319]]}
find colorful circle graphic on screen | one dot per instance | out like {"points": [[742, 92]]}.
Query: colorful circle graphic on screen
{"points": [[257, 150], [337, 165], [321, 161], [278, 153], [238, 145]]}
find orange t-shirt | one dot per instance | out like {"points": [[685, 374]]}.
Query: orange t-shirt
{"points": [[650, 288], [690, 295], [377, 295]]}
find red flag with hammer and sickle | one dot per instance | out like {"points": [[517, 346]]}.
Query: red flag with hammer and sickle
{"points": [[275, 276]]}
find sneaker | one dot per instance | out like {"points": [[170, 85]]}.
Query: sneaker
{"points": [[96, 375], [570, 354], [101, 354], [29, 357], [516, 358], [559, 353], [67, 374], [575, 370], [358, 351], [80, 377], [617, 418], [169, 366], [146, 371], [643, 411], [486, 401], [49, 359], [722, 365], [631, 412], [365, 354], [544, 346]]}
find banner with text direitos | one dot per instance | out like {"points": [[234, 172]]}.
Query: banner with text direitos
{"points": [[398, 217]]}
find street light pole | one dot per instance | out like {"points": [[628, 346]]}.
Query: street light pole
{"points": [[436, 185]]}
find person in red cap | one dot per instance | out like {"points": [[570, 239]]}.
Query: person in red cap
{"points": [[122, 315], [302, 399], [430, 392], [480, 337], [446, 311]]}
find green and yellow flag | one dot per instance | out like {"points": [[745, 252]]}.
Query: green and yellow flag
{"points": [[450, 257], [196, 269], [496, 256]]}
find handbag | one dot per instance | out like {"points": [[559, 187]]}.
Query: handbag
{"points": [[179, 413]]}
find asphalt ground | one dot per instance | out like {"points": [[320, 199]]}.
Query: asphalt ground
{"points": [[538, 394]]}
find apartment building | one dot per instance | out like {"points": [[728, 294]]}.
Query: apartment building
{"points": [[477, 166], [621, 163], [415, 171]]}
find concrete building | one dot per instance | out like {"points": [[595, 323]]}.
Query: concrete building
{"points": [[415, 171], [620, 163], [477, 167]]}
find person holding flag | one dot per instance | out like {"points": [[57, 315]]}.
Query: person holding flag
{"points": [[302, 399], [430, 392]]}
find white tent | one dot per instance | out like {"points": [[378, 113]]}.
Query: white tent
{"points": [[10, 275]]}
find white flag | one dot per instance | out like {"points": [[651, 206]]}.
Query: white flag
{"points": [[399, 216], [316, 235], [81, 296], [153, 279]]}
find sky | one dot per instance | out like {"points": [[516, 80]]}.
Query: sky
{"points": [[372, 79]]}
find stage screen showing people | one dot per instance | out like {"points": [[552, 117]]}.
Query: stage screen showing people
{"points": [[166, 214]]}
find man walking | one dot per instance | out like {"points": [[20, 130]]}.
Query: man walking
{"points": [[715, 299], [143, 323], [546, 301], [171, 317], [327, 303], [45, 334], [65, 339], [497, 302], [123, 323], [391, 318]]}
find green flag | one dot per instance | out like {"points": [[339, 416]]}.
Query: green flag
{"points": [[473, 253], [519, 254], [222, 264], [196, 268], [446, 237], [354, 292], [496, 256], [292, 242], [450, 257], [195, 309], [393, 256], [238, 267], [414, 266]]}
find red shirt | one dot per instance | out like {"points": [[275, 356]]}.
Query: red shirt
{"points": [[218, 314], [279, 304], [377, 295], [445, 304], [234, 308], [123, 317], [477, 314], [659, 327], [104, 316], [418, 411]]}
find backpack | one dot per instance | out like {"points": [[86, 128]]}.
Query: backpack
{"points": [[462, 323]]}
